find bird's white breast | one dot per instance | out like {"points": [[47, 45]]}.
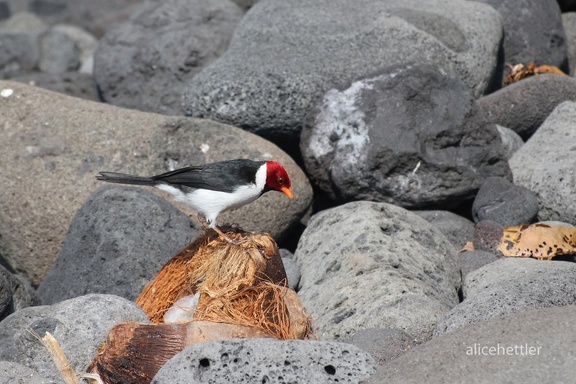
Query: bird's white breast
{"points": [[211, 203]]}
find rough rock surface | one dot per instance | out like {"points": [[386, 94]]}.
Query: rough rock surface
{"points": [[457, 229], [505, 203], [80, 325], [147, 62], [267, 361], [473, 260], [117, 243], [546, 165], [14, 373], [15, 293], [375, 265], [382, 344], [523, 106], [533, 31], [528, 347], [511, 285], [285, 55], [409, 135], [56, 144]]}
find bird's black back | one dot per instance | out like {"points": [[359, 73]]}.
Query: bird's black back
{"points": [[223, 176]]}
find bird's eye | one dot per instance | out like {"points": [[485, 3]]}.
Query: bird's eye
{"points": [[280, 180]]}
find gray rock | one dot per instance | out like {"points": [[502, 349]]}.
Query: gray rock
{"points": [[457, 229], [533, 31], [382, 344], [523, 106], [410, 135], [473, 260], [58, 53], [284, 56], [85, 43], [61, 143], [147, 62], [117, 243], [93, 16], [511, 285], [569, 23], [79, 325], [505, 203], [15, 293], [19, 39], [511, 141], [292, 272], [267, 361], [375, 265], [14, 373], [529, 347], [545, 165]]}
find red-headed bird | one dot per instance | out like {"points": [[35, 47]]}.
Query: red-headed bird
{"points": [[217, 187]]}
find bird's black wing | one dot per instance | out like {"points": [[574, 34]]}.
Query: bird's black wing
{"points": [[225, 176]]}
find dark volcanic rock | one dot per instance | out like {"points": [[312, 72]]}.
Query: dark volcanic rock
{"points": [[409, 135], [505, 203], [116, 244]]}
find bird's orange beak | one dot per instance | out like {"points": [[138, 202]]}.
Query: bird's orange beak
{"points": [[288, 192]]}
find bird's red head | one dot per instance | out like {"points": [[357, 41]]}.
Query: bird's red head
{"points": [[277, 178]]}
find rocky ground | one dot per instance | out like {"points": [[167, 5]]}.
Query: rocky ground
{"points": [[401, 144]]}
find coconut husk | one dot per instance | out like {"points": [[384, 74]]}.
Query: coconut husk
{"points": [[242, 293], [134, 353], [216, 267]]}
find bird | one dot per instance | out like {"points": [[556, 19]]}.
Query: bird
{"points": [[213, 188]]}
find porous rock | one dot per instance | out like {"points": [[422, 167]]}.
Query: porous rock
{"points": [[508, 286], [267, 361], [375, 265], [521, 348], [79, 325], [545, 164], [457, 229], [116, 244]]}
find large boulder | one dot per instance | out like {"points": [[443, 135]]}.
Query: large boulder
{"points": [[529, 347], [116, 244], [285, 55], [56, 145], [267, 361], [408, 135], [545, 164], [375, 265], [508, 286]]}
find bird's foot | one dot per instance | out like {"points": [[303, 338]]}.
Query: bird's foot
{"points": [[228, 239]]}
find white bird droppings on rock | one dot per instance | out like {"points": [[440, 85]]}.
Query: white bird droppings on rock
{"points": [[6, 92]]}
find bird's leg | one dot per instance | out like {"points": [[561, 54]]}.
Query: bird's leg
{"points": [[224, 237]]}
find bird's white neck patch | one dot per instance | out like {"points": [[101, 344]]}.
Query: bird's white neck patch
{"points": [[261, 175]]}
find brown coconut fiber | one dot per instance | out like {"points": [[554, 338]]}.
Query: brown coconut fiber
{"points": [[242, 284]]}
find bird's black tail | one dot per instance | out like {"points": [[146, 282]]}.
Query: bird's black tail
{"points": [[122, 178]]}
